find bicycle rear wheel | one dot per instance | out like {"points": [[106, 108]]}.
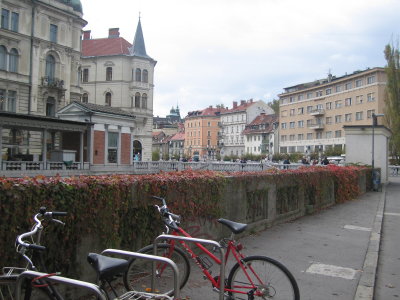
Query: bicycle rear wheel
{"points": [[8, 286], [269, 280], [138, 275]]}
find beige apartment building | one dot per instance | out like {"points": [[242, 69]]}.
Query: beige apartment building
{"points": [[312, 115]]}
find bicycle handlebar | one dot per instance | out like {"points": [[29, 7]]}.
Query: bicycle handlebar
{"points": [[170, 219]]}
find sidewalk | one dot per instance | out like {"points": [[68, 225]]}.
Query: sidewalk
{"points": [[326, 251]]}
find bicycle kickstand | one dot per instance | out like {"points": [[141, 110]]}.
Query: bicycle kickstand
{"points": [[250, 295]]}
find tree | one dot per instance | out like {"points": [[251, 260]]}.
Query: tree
{"points": [[274, 104], [392, 98]]}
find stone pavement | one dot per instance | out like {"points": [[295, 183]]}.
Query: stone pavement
{"points": [[332, 254]]}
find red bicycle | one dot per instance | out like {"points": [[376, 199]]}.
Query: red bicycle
{"points": [[252, 277]]}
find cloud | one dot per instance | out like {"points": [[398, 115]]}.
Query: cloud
{"points": [[215, 52]]}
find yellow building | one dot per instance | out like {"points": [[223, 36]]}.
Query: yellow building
{"points": [[201, 133], [312, 115]]}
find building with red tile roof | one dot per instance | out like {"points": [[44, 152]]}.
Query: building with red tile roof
{"points": [[116, 73]]}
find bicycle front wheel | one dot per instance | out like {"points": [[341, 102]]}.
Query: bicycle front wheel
{"points": [[138, 275], [264, 277]]}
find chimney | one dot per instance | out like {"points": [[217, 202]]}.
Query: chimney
{"points": [[210, 106], [242, 102], [86, 35], [251, 100], [113, 33], [234, 104]]}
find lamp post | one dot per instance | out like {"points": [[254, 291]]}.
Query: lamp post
{"points": [[374, 123]]}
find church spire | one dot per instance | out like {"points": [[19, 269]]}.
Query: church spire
{"points": [[138, 48]]}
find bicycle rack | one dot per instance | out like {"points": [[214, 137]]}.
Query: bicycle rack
{"points": [[154, 258], [194, 240], [58, 279]]}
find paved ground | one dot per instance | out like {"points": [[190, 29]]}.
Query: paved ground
{"points": [[327, 251]]}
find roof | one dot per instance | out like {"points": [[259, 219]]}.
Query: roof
{"points": [[210, 112], [178, 136], [139, 48], [105, 47], [104, 109], [241, 107], [263, 119]]}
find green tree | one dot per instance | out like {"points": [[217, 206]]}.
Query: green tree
{"points": [[274, 104], [392, 98]]}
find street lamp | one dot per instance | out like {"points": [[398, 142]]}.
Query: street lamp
{"points": [[374, 123]]}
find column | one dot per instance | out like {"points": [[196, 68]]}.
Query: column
{"points": [[119, 146], [105, 144], [81, 148], [1, 147], [44, 149]]}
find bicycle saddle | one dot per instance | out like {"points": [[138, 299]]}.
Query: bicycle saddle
{"points": [[233, 226], [107, 267]]}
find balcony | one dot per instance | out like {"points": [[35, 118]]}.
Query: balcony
{"points": [[317, 112], [53, 82], [316, 126]]}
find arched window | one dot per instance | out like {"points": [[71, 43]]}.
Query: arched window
{"points": [[50, 67], [3, 58], [138, 76], [145, 76], [144, 101], [85, 98], [108, 99], [137, 100], [109, 74], [13, 63]]}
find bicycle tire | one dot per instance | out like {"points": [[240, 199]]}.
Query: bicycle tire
{"points": [[8, 286], [278, 282], [139, 272]]}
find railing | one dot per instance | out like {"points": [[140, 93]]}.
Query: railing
{"points": [[39, 165]]}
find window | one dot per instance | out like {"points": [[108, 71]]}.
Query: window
{"points": [[112, 147], [283, 138], [14, 21], [309, 136], [5, 18], [50, 67], [108, 99], [50, 107], [85, 75], [338, 133], [347, 117], [309, 95], [138, 75], [300, 97], [109, 74], [53, 33], [2, 100], [309, 123], [359, 115], [338, 119], [328, 91], [300, 137], [318, 93], [309, 109], [338, 88], [328, 105], [300, 124], [12, 99], [208, 124], [291, 137], [300, 110], [371, 79], [292, 111], [85, 98], [319, 107], [338, 104], [329, 134], [3, 58], [369, 113], [359, 99], [348, 86], [291, 99], [137, 100], [318, 135], [292, 124], [208, 133], [145, 76], [371, 97], [144, 101], [347, 102], [359, 82], [283, 125], [328, 120]]}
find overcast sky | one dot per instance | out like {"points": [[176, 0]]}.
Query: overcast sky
{"points": [[211, 52]]}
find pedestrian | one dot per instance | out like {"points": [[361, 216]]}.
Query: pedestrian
{"points": [[325, 161], [286, 162]]}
